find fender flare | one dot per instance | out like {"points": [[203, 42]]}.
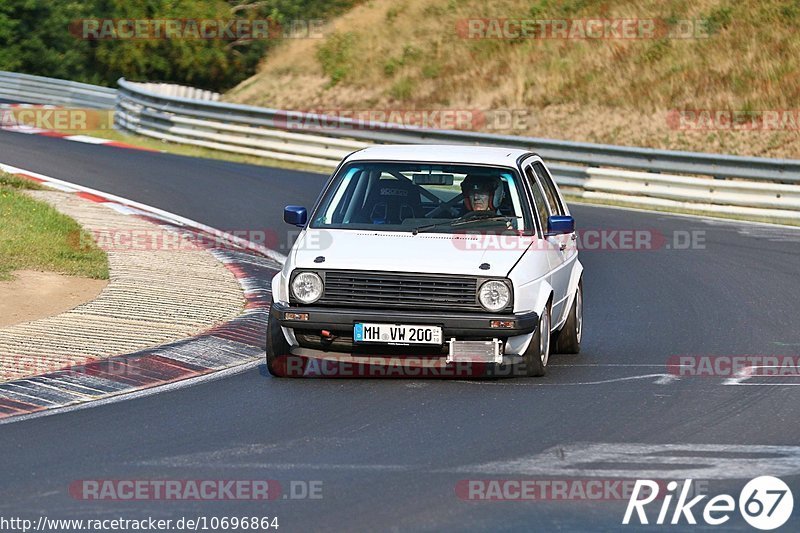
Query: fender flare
{"points": [[574, 280], [521, 343]]}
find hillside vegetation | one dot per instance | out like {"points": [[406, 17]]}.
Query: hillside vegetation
{"points": [[46, 38], [412, 54]]}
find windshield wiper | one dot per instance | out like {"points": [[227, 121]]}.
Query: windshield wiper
{"points": [[488, 217], [426, 227]]}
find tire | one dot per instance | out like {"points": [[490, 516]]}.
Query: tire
{"points": [[537, 355], [280, 362], [568, 340]]}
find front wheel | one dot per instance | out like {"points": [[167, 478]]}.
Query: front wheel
{"points": [[537, 355], [568, 340]]}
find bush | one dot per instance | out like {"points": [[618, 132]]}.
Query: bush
{"points": [[335, 56], [35, 38], [403, 89]]}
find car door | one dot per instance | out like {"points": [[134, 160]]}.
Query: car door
{"points": [[545, 245], [546, 180], [564, 244]]}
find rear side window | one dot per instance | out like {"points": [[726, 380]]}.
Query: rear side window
{"points": [[549, 190], [538, 198]]}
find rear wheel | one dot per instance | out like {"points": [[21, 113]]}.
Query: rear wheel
{"points": [[280, 363], [537, 355], [568, 340]]}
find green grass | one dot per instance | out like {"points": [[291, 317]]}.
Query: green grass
{"points": [[336, 56], [35, 236], [15, 182], [402, 89]]}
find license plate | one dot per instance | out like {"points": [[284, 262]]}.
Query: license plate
{"points": [[397, 334]]}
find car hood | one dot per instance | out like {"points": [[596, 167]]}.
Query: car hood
{"points": [[405, 252]]}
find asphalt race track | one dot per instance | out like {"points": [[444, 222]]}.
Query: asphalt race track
{"points": [[390, 453]]}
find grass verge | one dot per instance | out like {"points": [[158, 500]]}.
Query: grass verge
{"points": [[199, 151], [34, 235]]}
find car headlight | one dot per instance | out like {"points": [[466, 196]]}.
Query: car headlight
{"points": [[307, 287], [494, 295]]}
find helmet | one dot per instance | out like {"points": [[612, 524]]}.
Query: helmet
{"points": [[490, 186]]}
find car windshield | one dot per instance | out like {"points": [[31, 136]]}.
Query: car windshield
{"points": [[414, 197]]}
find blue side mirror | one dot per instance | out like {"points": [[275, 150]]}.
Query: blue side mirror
{"points": [[295, 215], [560, 224]]}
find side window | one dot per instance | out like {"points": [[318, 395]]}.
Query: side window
{"points": [[549, 189], [538, 198]]}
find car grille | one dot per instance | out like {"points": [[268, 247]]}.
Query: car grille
{"points": [[399, 290]]}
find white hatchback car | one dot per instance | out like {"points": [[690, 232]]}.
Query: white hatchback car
{"points": [[448, 253]]}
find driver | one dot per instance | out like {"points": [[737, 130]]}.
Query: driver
{"points": [[482, 193]]}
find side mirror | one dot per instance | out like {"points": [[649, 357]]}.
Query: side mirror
{"points": [[560, 224], [295, 215]]}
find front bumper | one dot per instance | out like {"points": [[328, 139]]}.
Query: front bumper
{"points": [[340, 322]]}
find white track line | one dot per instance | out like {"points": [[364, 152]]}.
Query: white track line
{"points": [[663, 379], [746, 373], [86, 139]]}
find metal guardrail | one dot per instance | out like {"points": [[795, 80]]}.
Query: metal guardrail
{"points": [[749, 186], [174, 89], [752, 199], [164, 112], [228, 127], [40, 90]]}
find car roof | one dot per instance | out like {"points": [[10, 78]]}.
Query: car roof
{"points": [[444, 153]]}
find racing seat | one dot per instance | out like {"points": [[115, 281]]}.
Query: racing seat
{"points": [[390, 202]]}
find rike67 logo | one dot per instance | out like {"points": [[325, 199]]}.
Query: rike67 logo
{"points": [[765, 503]]}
